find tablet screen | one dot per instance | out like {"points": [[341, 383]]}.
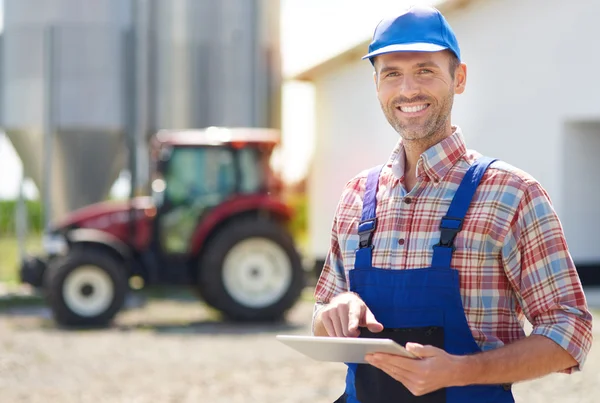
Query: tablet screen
{"points": [[342, 349]]}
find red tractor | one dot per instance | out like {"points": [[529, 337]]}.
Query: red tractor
{"points": [[215, 220]]}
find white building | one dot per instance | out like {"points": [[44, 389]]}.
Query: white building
{"points": [[532, 99]]}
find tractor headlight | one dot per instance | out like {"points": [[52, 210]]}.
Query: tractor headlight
{"points": [[54, 244]]}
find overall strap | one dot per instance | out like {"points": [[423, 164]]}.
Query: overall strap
{"points": [[452, 222], [368, 221]]}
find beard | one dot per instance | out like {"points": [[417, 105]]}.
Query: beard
{"points": [[420, 128]]}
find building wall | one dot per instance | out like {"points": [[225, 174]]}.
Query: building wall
{"points": [[531, 100], [352, 134]]}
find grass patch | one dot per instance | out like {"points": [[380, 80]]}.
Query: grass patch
{"points": [[157, 292], [10, 259], [308, 294], [19, 301]]}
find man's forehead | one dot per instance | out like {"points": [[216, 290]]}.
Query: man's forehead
{"points": [[406, 58]]}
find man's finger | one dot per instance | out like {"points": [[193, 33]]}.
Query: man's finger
{"points": [[372, 324], [423, 351], [327, 324], [337, 325], [355, 312], [398, 373], [408, 365], [342, 313]]}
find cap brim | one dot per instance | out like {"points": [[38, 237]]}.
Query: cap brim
{"points": [[408, 47]]}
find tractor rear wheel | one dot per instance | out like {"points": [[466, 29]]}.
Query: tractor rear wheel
{"points": [[251, 271], [85, 288]]}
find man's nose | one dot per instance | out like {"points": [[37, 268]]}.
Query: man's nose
{"points": [[408, 87]]}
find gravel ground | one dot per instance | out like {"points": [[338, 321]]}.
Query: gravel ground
{"points": [[173, 351]]}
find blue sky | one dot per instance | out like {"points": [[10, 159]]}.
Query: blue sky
{"points": [[311, 31]]}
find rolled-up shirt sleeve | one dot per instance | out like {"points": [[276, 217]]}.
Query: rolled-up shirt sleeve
{"points": [[544, 277], [332, 280]]}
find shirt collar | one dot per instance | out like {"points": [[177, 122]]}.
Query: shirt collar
{"points": [[435, 162]]}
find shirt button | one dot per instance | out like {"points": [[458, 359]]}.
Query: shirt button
{"points": [[407, 200], [401, 241]]}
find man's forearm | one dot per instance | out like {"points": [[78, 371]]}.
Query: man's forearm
{"points": [[529, 358]]}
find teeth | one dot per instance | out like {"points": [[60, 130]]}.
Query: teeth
{"points": [[413, 109]]}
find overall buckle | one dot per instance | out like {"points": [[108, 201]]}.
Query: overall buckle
{"points": [[365, 232], [449, 227]]}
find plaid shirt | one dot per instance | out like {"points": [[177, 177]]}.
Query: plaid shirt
{"points": [[511, 253]]}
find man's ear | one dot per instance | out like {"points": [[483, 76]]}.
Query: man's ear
{"points": [[460, 79]]}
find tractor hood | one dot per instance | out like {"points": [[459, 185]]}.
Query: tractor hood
{"points": [[105, 214]]}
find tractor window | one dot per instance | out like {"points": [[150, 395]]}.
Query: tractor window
{"points": [[252, 170], [199, 172], [197, 179]]}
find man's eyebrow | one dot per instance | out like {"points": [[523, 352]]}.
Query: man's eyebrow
{"points": [[385, 69], [427, 64]]}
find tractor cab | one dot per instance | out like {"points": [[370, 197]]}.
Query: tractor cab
{"points": [[196, 171]]}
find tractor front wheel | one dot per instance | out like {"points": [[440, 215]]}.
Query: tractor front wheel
{"points": [[85, 288], [250, 271]]}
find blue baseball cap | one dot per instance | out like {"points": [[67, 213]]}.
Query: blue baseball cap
{"points": [[419, 29]]}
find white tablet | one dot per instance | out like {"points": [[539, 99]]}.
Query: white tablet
{"points": [[342, 349]]}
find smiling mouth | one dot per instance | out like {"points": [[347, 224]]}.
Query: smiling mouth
{"points": [[413, 108]]}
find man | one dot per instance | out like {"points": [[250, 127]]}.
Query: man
{"points": [[444, 250]]}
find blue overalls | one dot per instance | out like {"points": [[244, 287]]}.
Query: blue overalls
{"points": [[422, 305]]}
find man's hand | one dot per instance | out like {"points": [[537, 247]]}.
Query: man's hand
{"points": [[435, 369], [344, 314]]}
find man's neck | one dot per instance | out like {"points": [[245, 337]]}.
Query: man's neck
{"points": [[414, 148]]}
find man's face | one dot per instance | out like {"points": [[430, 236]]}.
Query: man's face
{"points": [[416, 91]]}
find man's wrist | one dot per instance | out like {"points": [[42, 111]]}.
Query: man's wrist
{"points": [[317, 325], [344, 296], [466, 369]]}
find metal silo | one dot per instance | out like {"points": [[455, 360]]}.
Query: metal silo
{"points": [[205, 63], [96, 73], [63, 75], [215, 63]]}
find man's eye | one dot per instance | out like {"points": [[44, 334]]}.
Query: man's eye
{"points": [[425, 71], [392, 74]]}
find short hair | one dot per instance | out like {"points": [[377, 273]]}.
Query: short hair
{"points": [[454, 63]]}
